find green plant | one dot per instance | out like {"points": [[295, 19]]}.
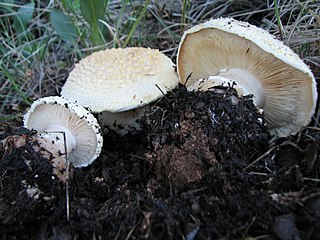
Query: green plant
{"points": [[277, 14], [19, 45], [185, 6], [34, 36], [91, 23], [93, 11], [64, 26]]}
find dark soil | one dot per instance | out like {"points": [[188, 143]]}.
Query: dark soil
{"points": [[204, 167]]}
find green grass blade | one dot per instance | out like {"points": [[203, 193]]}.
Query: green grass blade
{"points": [[276, 11], [136, 23], [123, 7], [10, 118], [183, 15], [14, 85]]}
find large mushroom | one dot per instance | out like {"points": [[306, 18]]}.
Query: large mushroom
{"points": [[226, 51], [117, 82], [66, 132]]}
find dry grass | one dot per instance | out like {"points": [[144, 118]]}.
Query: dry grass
{"points": [[37, 65]]}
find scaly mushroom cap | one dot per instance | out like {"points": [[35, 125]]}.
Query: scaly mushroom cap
{"points": [[117, 80], [51, 114], [287, 85]]}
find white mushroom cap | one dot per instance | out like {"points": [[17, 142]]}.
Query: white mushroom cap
{"points": [[53, 116], [282, 83], [117, 80]]}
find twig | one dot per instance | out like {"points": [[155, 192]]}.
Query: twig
{"points": [[137, 156], [193, 191], [314, 128], [188, 77], [270, 150], [261, 157], [160, 89], [311, 179], [258, 173], [67, 176], [130, 232]]}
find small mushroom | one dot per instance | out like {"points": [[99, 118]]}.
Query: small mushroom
{"points": [[227, 52], [117, 82], [65, 132]]}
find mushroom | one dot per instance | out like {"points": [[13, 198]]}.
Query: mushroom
{"points": [[117, 83], [226, 52], [66, 132]]}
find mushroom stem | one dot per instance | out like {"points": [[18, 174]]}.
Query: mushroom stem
{"points": [[246, 84], [122, 122], [58, 142], [61, 137], [55, 152]]}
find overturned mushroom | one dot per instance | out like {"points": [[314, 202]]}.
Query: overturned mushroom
{"points": [[117, 82], [225, 51], [65, 132]]}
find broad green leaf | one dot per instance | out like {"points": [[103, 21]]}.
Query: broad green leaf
{"points": [[22, 17], [73, 5], [92, 11], [64, 26], [76, 5], [6, 5]]}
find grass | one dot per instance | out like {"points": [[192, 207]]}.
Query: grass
{"points": [[37, 53]]}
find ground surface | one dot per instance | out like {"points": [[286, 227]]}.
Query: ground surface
{"points": [[203, 168], [195, 172]]}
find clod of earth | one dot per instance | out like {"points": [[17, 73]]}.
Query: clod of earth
{"points": [[193, 131]]}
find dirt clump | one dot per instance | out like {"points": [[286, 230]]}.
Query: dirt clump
{"points": [[194, 131]]}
